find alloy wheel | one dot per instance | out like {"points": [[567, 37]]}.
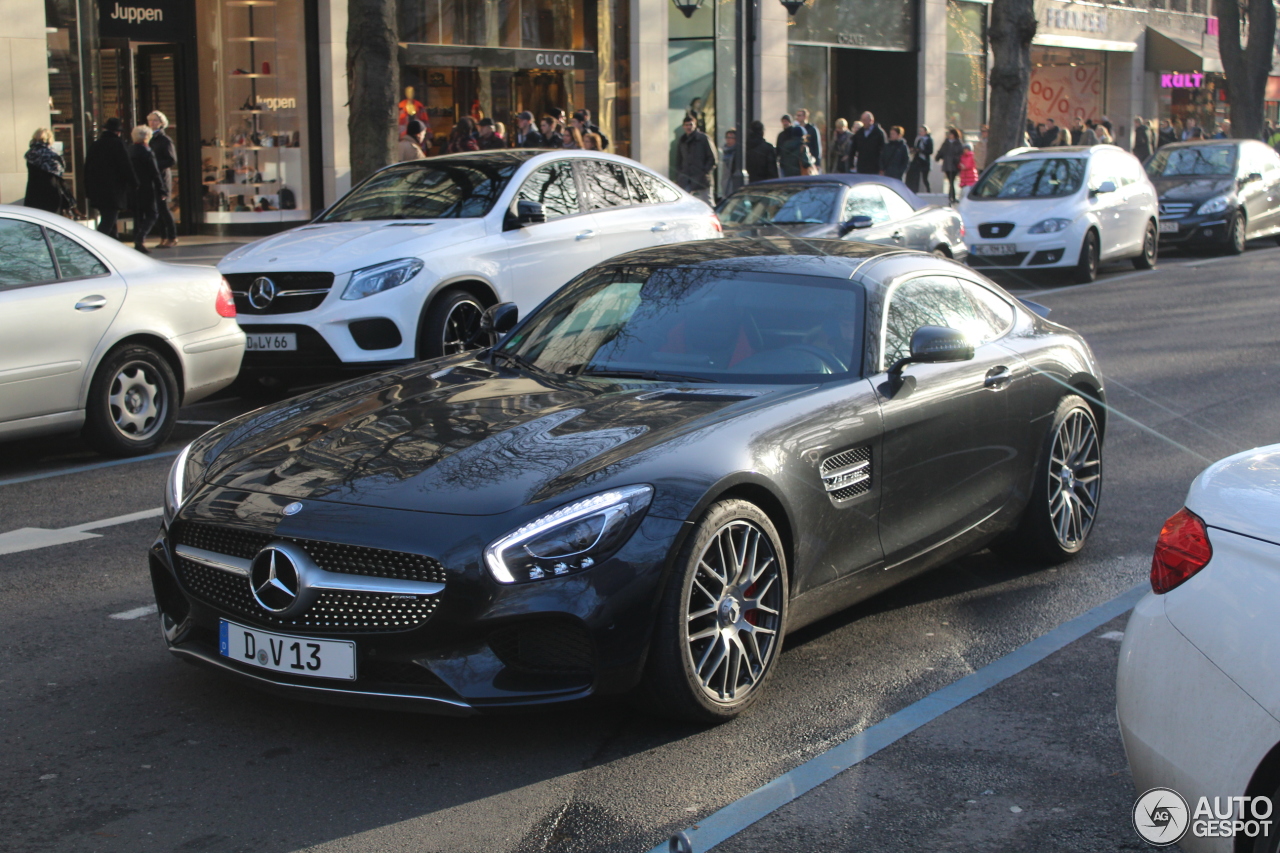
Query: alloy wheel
{"points": [[461, 326], [734, 612], [137, 400], [1075, 479]]}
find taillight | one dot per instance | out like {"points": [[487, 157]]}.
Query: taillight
{"points": [[715, 223], [226, 303], [1182, 550], [962, 231]]}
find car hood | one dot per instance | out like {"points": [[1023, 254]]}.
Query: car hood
{"points": [[1192, 187], [340, 247], [1022, 211], [820, 230], [1241, 493], [465, 440]]}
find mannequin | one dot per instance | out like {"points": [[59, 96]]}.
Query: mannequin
{"points": [[410, 108]]}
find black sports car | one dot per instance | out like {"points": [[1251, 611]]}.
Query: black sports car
{"points": [[682, 454]]}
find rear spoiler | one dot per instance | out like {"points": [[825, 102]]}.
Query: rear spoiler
{"points": [[1036, 308]]}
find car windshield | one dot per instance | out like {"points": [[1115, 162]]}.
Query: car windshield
{"points": [[695, 324], [426, 189], [1179, 162], [797, 204], [1042, 177]]}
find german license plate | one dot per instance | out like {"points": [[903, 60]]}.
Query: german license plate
{"points": [[1168, 228], [995, 249], [285, 653], [282, 342]]}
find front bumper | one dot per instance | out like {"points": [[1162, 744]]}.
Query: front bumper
{"points": [[475, 646], [1198, 231], [1027, 251]]}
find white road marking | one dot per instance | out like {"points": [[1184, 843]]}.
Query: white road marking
{"points": [[31, 538], [1112, 635], [200, 423], [135, 613]]}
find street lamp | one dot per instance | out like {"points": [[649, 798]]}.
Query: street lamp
{"points": [[792, 6], [688, 7]]}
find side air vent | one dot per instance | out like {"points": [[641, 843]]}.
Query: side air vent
{"points": [[847, 474]]}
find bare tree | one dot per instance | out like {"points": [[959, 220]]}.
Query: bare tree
{"points": [[1013, 25], [373, 85], [1247, 66]]}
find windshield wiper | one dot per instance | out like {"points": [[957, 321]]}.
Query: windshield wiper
{"points": [[519, 361], [655, 375]]}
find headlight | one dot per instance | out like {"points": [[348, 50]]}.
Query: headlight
{"points": [[571, 539], [1049, 226], [175, 490], [1214, 205], [371, 280]]}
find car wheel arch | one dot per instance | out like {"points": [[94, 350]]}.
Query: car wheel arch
{"points": [[477, 287], [1087, 387], [1263, 783], [160, 344]]}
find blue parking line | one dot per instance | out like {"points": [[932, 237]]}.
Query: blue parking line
{"points": [[740, 814], [13, 481]]}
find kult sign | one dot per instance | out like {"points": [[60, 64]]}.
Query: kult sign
{"points": [[1194, 80]]}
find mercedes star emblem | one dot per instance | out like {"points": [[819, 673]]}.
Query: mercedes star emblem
{"points": [[274, 580], [262, 293], [293, 508]]}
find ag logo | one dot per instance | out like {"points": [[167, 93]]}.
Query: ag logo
{"points": [[1160, 816]]}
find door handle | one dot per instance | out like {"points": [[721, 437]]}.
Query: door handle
{"points": [[586, 235], [91, 303], [661, 226], [997, 378]]}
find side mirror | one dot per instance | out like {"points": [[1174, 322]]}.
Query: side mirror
{"points": [[857, 223], [1105, 187], [1253, 176], [497, 320], [530, 213], [932, 345]]}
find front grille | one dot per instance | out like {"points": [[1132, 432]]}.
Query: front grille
{"points": [[294, 291], [330, 556], [847, 474], [992, 230], [549, 647], [1175, 209]]}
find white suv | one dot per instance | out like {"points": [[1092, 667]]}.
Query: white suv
{"points": [[403, 266], [1054, 208]]}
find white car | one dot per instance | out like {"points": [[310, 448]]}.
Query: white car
{"points": [[1062, 208], [1198, 687], [97, 337], [402, 267]]}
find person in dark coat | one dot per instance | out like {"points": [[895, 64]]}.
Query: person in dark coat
{"points": [[921, 151], [486, 137], [108, 175], [896, 156], [149, 194], [525, 135], [762, 157], [842, 148], [811, 136], [166, 159], [1168, 133], [868, 144], [44, 173], [1049, 138], [731, 157], [1143, 139], [949, 155], [551, 135], [695, 161], [794, 155]]}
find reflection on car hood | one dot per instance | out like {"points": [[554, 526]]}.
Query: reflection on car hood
{"points": [[1241, 493], [1192, 187], [340, 247], [474, 441], [808, 229]]}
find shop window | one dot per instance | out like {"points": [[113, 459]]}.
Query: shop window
{"points": [[692, 75], [966, 65], [874, 23]]}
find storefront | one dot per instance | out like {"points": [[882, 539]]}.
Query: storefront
{"points": [[1082, 62], [1184, 72]]}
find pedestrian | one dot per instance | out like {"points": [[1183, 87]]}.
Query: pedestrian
{"points": [[794, 156], [1196, 131], [526, 135], [45, 166], [149, 193], [410, 145], [1143, 139], [868, 145], [463, 137], [980, 147], [572, 138], [841, 148], [1167, 133], [968, 169], [592, 142], [699, 115], [695, 161], [1100, 133], [896, 157], [584, 118], [486, 137], [166, 158], [1049, 138], [500, 129], [550, 133], [812, 138], [1224, 129], [921, 151], [731, 157], [949, 156], [1077, 130], [108, 175], [762, 157], [1189, 125], [1106, 122]]}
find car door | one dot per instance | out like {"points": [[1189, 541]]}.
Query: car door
{"points": [[1269, 162], [1107, 207], [57, 300], [1139, 200], [543, 256], [666, 221], [621, 225], [950, 449], [1253, 189], [917, 230], [866, 199]]}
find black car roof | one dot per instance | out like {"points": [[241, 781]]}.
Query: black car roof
{"points": [[848, 179], [831, 258]]}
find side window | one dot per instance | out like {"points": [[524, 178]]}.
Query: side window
{"points": [[994, 314], [898, 207], [930, 300], [554, 188], [1270, 161], [650, 190], [865, 200], [74, 260], [606, 184], [26, 254], [1101, 171]]}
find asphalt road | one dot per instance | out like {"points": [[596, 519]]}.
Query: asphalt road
{"points": [[111, 745]]}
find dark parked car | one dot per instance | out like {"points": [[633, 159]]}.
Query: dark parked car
{"points": [[866, 208], [680, 456], [1216, 193]]}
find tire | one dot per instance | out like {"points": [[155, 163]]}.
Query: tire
{"points": [[1087, 266], [942, 252], [1236, 232], [1150, 248], [449, 325], [1051, 530], [1269, 843], [133, 402], [704, 636]]}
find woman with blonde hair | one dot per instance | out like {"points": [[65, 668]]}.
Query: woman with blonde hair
{"points": [[150, 193], [166, 159], [44, 173]]}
